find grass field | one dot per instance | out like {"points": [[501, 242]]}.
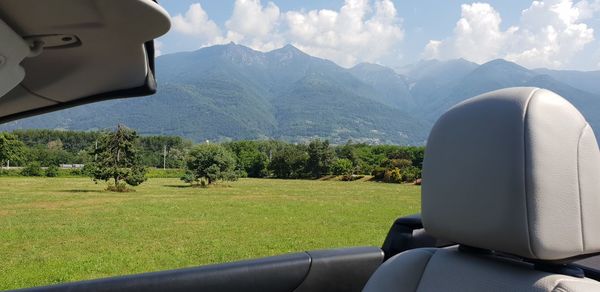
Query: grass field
{"points": [[64, 229]]}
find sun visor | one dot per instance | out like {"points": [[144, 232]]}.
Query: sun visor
{"points": [[12, 52], [82, 51]]}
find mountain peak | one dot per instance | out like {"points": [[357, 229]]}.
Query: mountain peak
{"points": [[288, 52], [502, 63], [232, 52], [372, 68], [500, 69], [289, 49]]}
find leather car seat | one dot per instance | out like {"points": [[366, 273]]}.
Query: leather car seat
{"points": [[513, 177]]}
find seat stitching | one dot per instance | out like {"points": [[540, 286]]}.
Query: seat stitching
{"points": [[425, 268], [525, 112], [579, 186]]}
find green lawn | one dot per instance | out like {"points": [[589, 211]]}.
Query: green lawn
{"points": [[64, 229]]}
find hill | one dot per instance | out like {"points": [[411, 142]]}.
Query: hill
{"points": [[231, 92]]}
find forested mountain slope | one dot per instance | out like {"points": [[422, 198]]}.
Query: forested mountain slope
{"points": [[231, 92]]}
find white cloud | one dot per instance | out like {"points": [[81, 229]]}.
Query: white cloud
{"points": [[358, 32], [477, 36], [588, 9], [550, 33], [255, 25], [362, 30], [196, 23]]}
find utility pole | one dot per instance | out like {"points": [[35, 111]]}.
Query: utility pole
{"points": [[165, 157], [96, 152]]}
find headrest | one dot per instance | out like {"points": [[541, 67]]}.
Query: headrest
{"points": [[515, 170]]}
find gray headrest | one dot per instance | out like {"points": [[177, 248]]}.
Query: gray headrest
{"points": [[515, 170]]}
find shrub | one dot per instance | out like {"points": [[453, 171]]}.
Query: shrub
{"points": [[32, 169], [341, 166], [52, 171], [364, 167], [351, 177], [379, 173], [393, 176], [120, 187], [189, 178], [77, 172], [411, 174], [10, 172]]}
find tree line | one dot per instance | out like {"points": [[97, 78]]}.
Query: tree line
{"points": [[209, 162], [55, 147]]}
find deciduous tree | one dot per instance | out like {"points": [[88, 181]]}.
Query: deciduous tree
{"points": [[320, 156], [10, 148], [210, 162]]}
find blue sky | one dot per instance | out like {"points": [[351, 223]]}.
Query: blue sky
{"points": [[561, 34]]}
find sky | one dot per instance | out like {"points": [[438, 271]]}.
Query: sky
{"points": [[556, 34]]}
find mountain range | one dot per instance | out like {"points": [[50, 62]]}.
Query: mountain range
{"points": [[231, 92]]}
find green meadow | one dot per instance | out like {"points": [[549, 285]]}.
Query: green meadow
{"points": [[55, 230]]}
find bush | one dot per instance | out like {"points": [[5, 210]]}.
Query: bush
{"points": [[364, 168], [379, 173], [341, 166], [351, 177], [189, 178], [10, 172], [52, 171], [411, 174], [77, 172], [120, 187], [393, 176], [396, 163], [32, 169]]}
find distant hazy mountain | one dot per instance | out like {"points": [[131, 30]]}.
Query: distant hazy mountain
{"points": [[233, 92], [587, 81], [391, 88], [494, 75]]}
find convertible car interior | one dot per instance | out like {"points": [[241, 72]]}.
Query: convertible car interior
{"points": [[510, 189], [522, 219]]}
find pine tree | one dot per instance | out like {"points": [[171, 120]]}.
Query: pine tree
{"points": [[117, 157]]}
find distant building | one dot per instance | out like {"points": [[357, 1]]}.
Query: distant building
{"points": [[77, 166]]}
